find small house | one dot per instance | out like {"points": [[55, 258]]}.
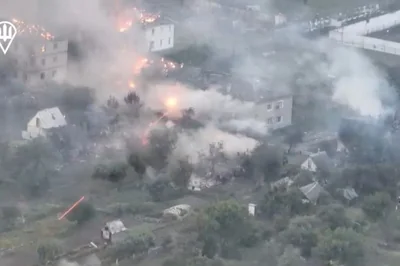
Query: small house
{"points": [[312, 192], [44, 121], [348, 193], [318, 162]]}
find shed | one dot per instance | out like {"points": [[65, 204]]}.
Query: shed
{"points": [[318, 162], [177, 212], [312, 191]]}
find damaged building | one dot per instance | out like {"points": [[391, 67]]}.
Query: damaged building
{"points": [[38, 57]]}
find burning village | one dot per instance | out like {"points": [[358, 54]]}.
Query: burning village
{"points": [[199, 132]]}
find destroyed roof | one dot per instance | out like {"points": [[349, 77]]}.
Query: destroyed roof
{"points": [[49, 118], [297, 159], [312, 191], [322, 161], [286, 181], [178, 210], [116, 226], [349, 193]]}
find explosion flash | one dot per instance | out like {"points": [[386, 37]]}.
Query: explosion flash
{"points": [[171, 102]]}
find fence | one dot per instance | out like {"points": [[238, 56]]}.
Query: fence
{"points": [[364, 42], [374, 24]]}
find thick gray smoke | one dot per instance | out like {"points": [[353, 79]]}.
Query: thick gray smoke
{"points": [[356, 83]]}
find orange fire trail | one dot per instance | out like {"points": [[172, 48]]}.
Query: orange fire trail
{"points": [[145, 136], [71, 208]]}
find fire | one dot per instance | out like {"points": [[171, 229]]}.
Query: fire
{"points": [[171, 102], [126, 19], [131, 85], [125, 25], [31, 29], [139, 65]]}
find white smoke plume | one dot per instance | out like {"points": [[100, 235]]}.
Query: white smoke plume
{"points": [[195, 143]]}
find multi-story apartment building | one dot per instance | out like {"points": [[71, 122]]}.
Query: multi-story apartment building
{"points": [[37, 59], [275, 108], [159, 35]]}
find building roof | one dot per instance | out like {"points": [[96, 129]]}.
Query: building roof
{"points": [[349, 193], [322, 161], [116, 226], [297, 159], [283, 182], [49, 118], [312, 191], [178, 210]]}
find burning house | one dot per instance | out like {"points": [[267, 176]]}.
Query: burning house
{"points": [[38, 56]]}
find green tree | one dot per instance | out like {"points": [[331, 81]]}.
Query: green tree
{"points": [[376, 205], [342, 245], [48, 251], [32, 165], [302, 233], [137, 242], [137, 164], [10, 214], [293, 137], [280, 200], [162, 190], [226, 221], [181, 173], [114, 173], [334, 216], [291, 257], [82, 213]]}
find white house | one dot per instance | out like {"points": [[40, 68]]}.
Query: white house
{"points": [[43, 121], [159, 35], [319, 161]]}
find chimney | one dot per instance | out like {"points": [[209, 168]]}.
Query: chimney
{"points": [[252, 209]]}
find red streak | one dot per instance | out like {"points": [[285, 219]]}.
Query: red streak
{"points": [[71, 208]]}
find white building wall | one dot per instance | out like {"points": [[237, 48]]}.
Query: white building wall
{"points": [[375, 24], [160, 37], [40, 62], [278, 112], [353, 35], [367, 43]]}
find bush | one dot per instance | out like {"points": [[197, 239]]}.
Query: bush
{"points": [[334, 216], [375, 206], [302, 233], [82, 213], [342, 245], [48, 251], [162, 190], [134, 243], [9, 215], [113, 173]]}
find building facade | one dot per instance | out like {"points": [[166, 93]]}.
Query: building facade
{"points": [[278, 111], [159, 36], [39, 60], [42, 122]]}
